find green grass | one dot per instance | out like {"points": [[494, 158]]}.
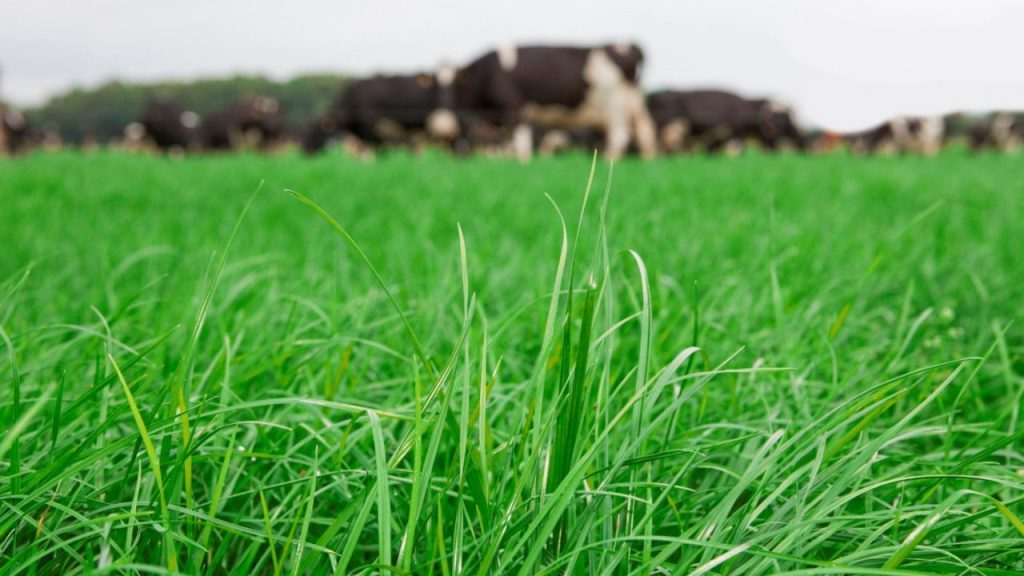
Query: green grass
{"points": [[760, 365]]}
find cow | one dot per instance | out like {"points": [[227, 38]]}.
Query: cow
{"points": [[389, 111], [251, 122], [170, 127], [14, 131], [518, 88], [719, 120], [1003, 131], [901, 135]]}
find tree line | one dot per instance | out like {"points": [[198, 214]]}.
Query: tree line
{"points": [[102, 112]]}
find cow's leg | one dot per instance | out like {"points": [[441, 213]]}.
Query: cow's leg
{"points": [[643, 125], [617, 118], [646, 135], [522, 142], [618, 138], [508, 103], [626, 117]]}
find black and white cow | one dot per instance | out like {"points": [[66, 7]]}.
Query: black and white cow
{"points": [[167, 125], [516, 87], [1004, 131], [901, 135], [390, 110], [718, 120], [251, 122]]}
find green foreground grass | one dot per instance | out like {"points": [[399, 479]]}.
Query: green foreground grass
{"points": [[760, 365]]}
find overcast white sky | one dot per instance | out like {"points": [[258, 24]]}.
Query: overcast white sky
{"points": [[843, 64]]}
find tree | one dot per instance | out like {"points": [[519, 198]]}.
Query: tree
{"points": [[101, 113]]}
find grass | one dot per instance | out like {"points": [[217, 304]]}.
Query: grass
{"points": [[421, 365]]}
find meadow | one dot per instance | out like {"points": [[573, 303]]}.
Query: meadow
{"points": [[431, 365]]}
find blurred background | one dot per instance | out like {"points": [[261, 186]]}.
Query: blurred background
{"points": [[81, 72]]}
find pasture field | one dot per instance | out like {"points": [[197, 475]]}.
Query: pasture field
{"points": [[750, 366]]}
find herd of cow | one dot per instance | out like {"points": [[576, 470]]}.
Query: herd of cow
{"points": [[528, 99]]}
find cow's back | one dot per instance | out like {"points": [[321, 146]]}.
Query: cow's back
{"points": [[551, 75], [709, 108], [702, 109], [404, 99]]}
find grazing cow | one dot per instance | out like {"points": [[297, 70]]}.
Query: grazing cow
{"points": [[514, 88], [170, 127], [253, 122], [1003, 132], [901, 135], [389, 111], [13, 131], [718, 120]]}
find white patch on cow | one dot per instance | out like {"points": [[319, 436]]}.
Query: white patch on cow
{"points": [[189, 119], [442, 123], [554, 141], [522, 142], [925, 138], [357, 148], [446, 75], [134, 132], [901, 138], [777, 107], [623, 48], [733, 147], [673, 135], [1001, 128], [508, 55], [611, 104], [601, 71], [930, 138]]}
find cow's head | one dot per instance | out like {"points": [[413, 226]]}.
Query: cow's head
{"points": [[629, 58], [776, 126]]}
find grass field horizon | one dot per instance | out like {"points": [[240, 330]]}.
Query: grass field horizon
{"points": [[431, 365]]}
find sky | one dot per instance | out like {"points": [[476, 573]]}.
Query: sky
{"points": [[842, 64]]}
